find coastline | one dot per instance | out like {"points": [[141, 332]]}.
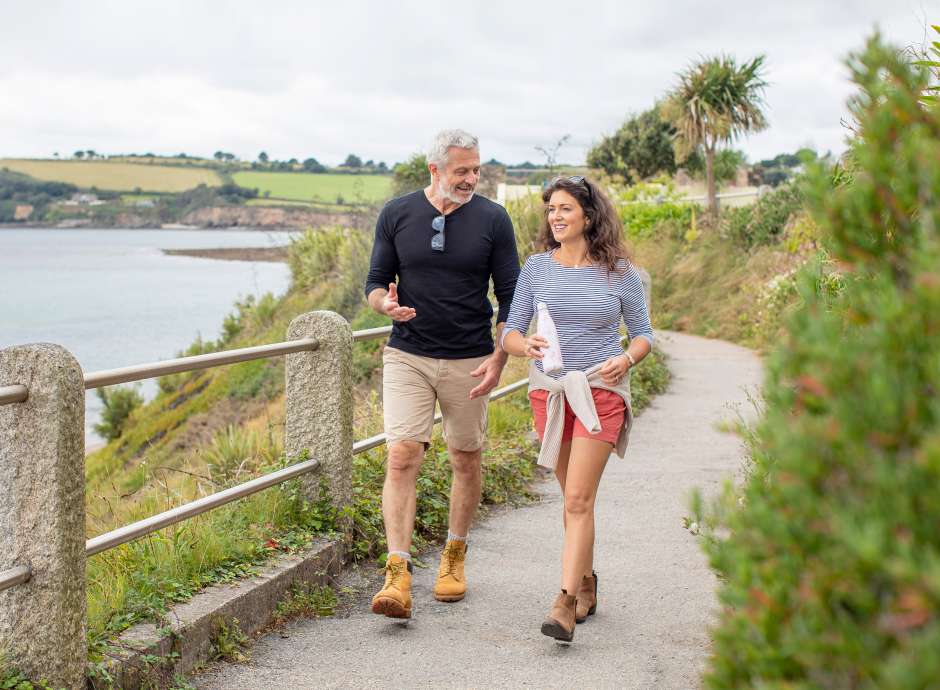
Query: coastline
{"points": [[271, 254], [161, 226]]}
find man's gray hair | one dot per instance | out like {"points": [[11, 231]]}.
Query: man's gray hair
{"points": [[447, 139]]}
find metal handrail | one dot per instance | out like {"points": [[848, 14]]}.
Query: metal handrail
{"points": [[170, 517], [109, 540], [151, 370], [109, 377], [370, 333], [15, 576], [13, 394], [149, 525]]}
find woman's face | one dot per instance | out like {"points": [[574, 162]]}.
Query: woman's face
{"points": [[565, 216]]}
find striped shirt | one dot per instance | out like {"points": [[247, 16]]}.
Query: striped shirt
{"points": [[586, 304]]}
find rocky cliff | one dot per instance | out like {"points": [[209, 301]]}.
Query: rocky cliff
{"points": [[261, 216]]}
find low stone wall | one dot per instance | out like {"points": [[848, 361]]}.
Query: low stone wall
{"points": [[148, 655]]}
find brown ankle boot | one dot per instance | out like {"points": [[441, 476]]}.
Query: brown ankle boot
{"points": [[560, 622], [587, 597]]}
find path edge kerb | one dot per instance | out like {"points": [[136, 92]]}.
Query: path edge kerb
{"points": [[190, 627]]}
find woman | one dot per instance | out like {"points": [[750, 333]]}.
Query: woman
{"points": [[583, 411]]}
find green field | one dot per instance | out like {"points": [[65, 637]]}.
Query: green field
{"points": [[112, 176], [323, 187]]}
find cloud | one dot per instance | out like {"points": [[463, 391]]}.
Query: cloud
{"points": [[378, 79]]}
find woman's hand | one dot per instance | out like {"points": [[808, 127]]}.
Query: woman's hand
{"points": [[534, 345], [614, 369]]}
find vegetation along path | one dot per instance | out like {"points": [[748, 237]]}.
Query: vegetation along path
{"points": [[656, 594]]}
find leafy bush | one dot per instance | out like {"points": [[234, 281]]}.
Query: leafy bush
{"points": [[526, 214], [654, 208], [312, 256], [411, 175], [763, 222], [119, 403], [830, 553], [647, 219], [649, 379]]}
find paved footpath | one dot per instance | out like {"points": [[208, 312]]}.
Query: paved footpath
{"points": [[656, 594]]}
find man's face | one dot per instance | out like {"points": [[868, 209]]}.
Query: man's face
{"points": [[457, 180]]}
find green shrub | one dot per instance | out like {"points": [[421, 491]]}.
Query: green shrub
{"points": [[366, 356], [829, 554], [526, 214], [119, 402], [654, 208], [649, 379], [645, 219], [764, 221], [312, 256]]}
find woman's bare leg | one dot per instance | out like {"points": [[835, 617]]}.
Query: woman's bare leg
{"points": [[586, 463]]}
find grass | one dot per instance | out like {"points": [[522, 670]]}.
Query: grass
{"points": [[713, 287], [325, 187], [118, 177]]}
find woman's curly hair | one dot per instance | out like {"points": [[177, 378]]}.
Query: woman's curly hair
{"points": [[604, 232]]}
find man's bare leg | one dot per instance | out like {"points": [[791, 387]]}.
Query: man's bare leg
{"points": [[465, 489], [399, 494]]}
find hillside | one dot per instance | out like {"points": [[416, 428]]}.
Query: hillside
{"points": [[148, 192], [115, 176], [328, 188]]}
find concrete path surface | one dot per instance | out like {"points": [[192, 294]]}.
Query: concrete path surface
{"points": [[656, 594]]}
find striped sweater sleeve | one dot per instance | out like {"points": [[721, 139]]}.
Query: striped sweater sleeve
{"points": [[521, 311], [633, 304]]}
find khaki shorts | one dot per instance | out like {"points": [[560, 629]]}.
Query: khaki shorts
{"points": [[411, 384]]}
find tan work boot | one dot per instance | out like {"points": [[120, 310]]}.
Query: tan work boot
{"points": [[394, 599], [560, 622], [587, 597], [451, 584]]}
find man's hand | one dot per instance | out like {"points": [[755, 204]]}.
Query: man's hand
{"points": [[490, 371], [390, 306]]}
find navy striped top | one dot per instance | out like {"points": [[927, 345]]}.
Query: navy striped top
{"points": [[586, 304]]}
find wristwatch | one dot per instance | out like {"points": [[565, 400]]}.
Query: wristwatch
{"points": [[630, 357]]}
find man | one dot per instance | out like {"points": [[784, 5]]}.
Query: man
{"points": [[443, 244]]}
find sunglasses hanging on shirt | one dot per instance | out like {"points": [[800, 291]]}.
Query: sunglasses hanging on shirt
{"points": [[437, 239]]}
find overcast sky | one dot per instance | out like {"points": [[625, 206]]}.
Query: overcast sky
{"points": [[300, 79]]}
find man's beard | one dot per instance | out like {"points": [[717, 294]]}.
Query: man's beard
{"points": [[452, 195]]}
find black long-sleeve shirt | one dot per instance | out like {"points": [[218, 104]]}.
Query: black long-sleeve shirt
{"points": [[448, 290]]}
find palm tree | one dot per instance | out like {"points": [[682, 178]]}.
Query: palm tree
{"points": [[715, 102]]}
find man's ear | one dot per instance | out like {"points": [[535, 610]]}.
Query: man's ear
{"points": [[433, 168]]}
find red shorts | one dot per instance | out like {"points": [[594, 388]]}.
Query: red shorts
{"points": [[611, 411]]}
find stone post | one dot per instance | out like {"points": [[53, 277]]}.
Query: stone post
{"points": [[319, 403], [42, 514]]}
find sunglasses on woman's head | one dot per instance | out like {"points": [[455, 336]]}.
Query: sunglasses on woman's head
{"points": [[577, 179]]}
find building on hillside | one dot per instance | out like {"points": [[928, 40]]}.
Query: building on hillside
{"points": [[22, 212], [511, 192], [84, 199]]}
